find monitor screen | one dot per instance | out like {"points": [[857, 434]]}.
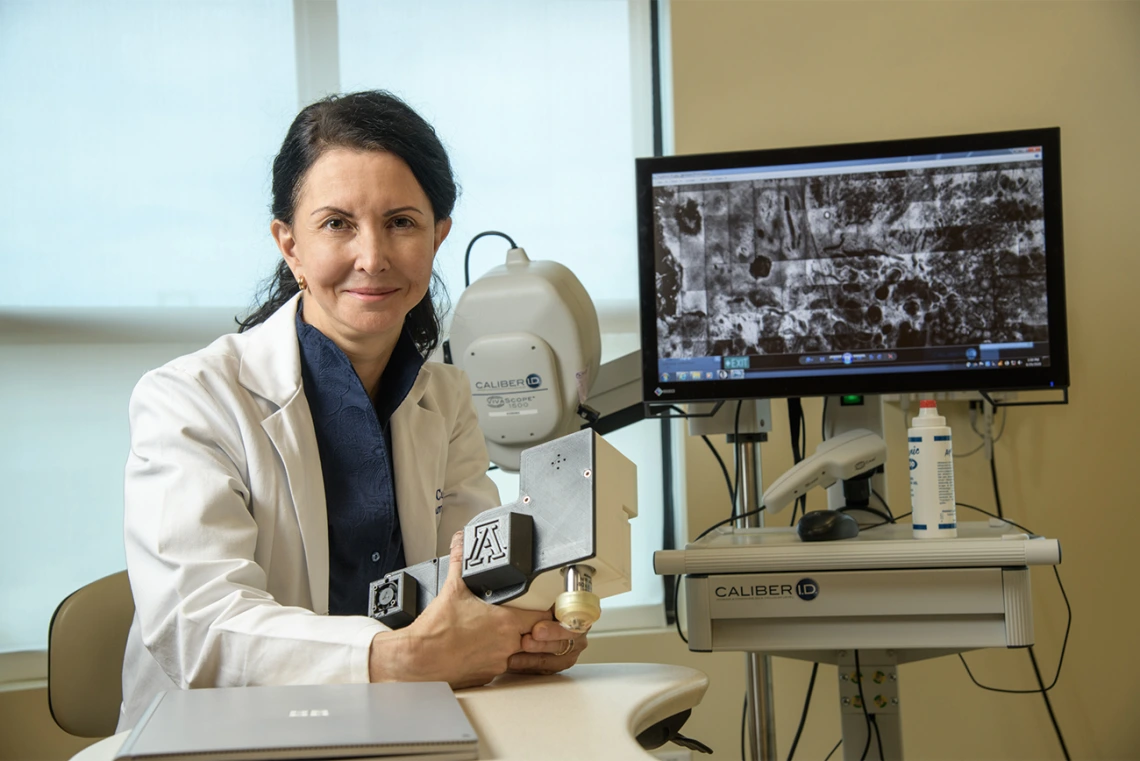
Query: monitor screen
{"points": [[932, 264]]}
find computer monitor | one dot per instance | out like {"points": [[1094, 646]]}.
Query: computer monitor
{"points": [[932, 264]]}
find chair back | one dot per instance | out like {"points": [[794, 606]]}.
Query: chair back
{"points": [[86, 640]]}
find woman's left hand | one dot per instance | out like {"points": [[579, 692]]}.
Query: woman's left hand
{"points": [[548, 649]]}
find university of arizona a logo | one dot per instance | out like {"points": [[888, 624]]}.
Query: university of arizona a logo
{"points": [[487, 547]]}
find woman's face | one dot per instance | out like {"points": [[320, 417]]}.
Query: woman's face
{"points": [[364, 237]]}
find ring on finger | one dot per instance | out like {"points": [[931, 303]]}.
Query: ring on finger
{"points": [[567, 649]]}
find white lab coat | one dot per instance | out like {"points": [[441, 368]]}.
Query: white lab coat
{"points": [[225, 524]]}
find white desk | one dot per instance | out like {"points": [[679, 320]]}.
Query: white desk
{"points": [[591, 711]]}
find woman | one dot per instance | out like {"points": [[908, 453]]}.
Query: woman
{"points": [[275, 473]]}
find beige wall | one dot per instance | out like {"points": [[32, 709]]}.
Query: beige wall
{"points": [[768, 74]]}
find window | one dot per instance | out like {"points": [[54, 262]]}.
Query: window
{"points": [[135, 143], [140, 137]]}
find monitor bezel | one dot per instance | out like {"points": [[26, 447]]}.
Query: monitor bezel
{"points": [[1055, 376]]}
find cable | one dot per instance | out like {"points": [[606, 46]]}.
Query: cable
{"points": [[1049, 705], [1007, 520], [997, 494], [797, 427], [1060, 661], [832, 753], [973, 451], [799, 451], [804, 715], [729, 519], [868, 509], [884, 503], [677, 618], [719, 459], [467, 256], [736, 459], [863, 705], [723, 469], [974, 428], [823, 429], [1064, 643], [743, 722], [888, 516], [1001, 431], [885, 523], [878, 735], [993, 472], [974, 423], [732, 498]]}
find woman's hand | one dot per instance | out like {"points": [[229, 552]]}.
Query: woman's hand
{"points": [[548, 649], [458, 639]]}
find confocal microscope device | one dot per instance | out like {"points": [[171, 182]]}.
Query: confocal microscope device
{"points": [[565, 541]]}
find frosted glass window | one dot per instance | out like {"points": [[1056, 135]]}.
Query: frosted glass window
{"points": [[62, 457], [135, 145], [135, 148]]}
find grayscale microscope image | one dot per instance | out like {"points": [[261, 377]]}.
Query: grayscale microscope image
{"points": [[851, 262]]}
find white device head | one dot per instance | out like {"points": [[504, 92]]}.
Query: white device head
{"points": [[526, 333], [839, 458]]}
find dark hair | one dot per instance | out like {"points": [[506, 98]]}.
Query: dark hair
{"points": [[369, 121]]}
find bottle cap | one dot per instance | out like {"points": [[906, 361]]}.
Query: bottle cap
{"points": [[927, 403]]}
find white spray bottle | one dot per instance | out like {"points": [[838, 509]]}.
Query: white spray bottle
{"points": [[931, 475]]}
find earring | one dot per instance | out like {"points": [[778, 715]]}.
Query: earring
{"points": [[301, 282]]}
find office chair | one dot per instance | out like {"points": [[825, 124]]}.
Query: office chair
{"points": [[86, 640]]}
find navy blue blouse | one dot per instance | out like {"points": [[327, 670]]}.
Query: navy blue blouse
{"points": [[355, 444]]}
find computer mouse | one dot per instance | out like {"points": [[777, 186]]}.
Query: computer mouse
{"points": [[826, 525]]}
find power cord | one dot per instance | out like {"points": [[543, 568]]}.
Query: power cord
{"points": [[1032, 656], [863, 705], [883, 502], [997, 494], [887, 517], [803, 716], [974, 427], [467, 256], [729, 519], [732, 498], [723, 469], [703, 534], [878, 735], [1048, 704], [743, 721], [868, 509], [736, 454], [832, 753], [716, 454], [797, 427], [677, 618], [885, 523]]}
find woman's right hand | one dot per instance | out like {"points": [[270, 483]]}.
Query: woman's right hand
{"points": [[458, 639]]}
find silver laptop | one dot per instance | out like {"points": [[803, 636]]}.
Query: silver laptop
{"points": [[410, 720]]}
